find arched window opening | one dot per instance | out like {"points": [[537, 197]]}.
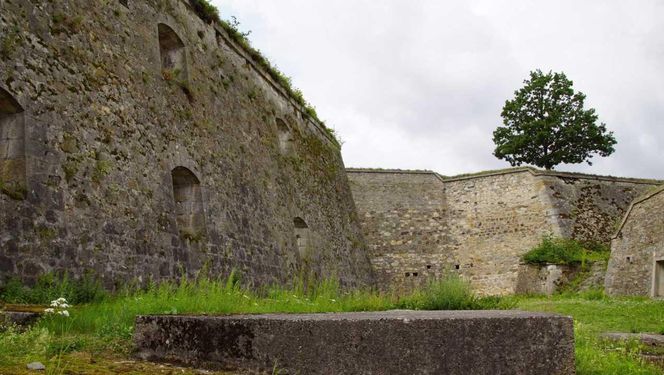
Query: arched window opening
{"points": [[12, 140], [301, 236], [173, 56], [188, 204], [284, 136]]}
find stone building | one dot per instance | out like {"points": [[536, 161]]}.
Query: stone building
{"points": [[419, 224], [138, 141], [636, 266]]}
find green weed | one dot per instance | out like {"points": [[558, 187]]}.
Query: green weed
{"points": [[565, 251]]}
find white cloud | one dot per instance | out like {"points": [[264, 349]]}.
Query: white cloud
{"points": [[421, 84]]}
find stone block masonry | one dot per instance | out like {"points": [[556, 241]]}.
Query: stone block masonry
{"points": [[420, 225], [396, 342], [636, 266], [139, 142]]}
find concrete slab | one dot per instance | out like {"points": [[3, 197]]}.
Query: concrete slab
{"points": [[394, 342]]}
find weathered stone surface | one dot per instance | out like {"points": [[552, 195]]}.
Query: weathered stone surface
{"points": [[419, 225], [395, 342], [18, 318], [636, 266], [650, 339], [111, 100]]}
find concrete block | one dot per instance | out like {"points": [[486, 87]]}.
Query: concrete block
{"points": [[395, 342]]}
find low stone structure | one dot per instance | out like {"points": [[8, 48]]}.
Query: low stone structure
{"points": [[420, 225], [636, 266], [651, 347], [395, 342]]}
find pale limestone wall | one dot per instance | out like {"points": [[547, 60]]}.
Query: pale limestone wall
{"points": [[403, 217], [480, 225], [493, 221], [636, 247]]}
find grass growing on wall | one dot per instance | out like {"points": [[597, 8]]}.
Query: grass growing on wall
{"points": [[210, 14], [565, 251]]}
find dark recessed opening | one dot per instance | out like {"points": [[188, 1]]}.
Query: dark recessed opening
{"points": [[125, 3], [457, 266], [407, 274], [188, 203], [12, 140], [415, 274], [173, 57], [428, 266], [301, 236]]}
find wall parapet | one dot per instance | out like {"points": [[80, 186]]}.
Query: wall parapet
{"points": [[506, 171]]}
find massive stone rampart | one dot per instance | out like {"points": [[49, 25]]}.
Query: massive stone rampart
{"points": [[141, 142], [636, 266], [421, 225]]}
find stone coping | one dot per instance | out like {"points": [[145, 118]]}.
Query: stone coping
{"points": [[392, 342], [498, 172]]}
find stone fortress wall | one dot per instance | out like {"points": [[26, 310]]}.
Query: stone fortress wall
{"points": [[636, 266], [419, 224], [140, 142]]}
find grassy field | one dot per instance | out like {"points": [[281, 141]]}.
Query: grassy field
{"points": [[593, 314], [96, 337]]}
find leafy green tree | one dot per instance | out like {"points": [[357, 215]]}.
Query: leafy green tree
{"points": [[546, 124]]}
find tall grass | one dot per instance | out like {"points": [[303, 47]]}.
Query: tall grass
{"points": [[115, 315], [52, 286], [108, 322]]}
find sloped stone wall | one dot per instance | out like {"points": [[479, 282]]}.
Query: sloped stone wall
{"points": [[590, 208], [107, 123], [637, 248]]}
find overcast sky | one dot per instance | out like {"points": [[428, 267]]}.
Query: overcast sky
{"points": [[420, 84]]}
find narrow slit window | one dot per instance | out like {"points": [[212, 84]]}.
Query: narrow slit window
{"points": [[301, 236]]}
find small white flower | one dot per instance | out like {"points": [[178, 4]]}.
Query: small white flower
{"points": [[64, 313], [49, 311]]}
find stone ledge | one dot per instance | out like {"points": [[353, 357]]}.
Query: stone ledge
{"points": [[395, 342], [506, 171], [18, 318]]}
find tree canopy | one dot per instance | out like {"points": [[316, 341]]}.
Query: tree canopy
{"points": [[546, 124]]}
